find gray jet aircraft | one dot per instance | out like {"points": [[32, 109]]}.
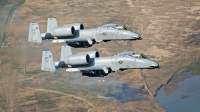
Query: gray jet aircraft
{"points": [[76, 36], [90, 64]]}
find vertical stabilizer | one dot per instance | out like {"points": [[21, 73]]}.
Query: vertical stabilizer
{"points": [[65, 51], [34, 33], [48, 62], [51, 23]]}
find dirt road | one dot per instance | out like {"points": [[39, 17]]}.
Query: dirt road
{"points": [[58, 92]]}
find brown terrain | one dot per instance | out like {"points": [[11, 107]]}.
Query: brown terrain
{"points": [[166, 26]]}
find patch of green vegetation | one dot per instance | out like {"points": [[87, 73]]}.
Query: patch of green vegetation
{"points": [[20, 18], [67, 90], [33, 73], [15, 65], [37, 11], [45, 99], [94, 100], [52, 3], [32, 97], [195, 67], [26, 83], [34, 10], [98, 101], [10, 34], [40, 98], [4, 61]]}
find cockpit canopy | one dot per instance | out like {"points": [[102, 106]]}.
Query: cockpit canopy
{"points": [[133, 54], [115, 26], [122, 27]]}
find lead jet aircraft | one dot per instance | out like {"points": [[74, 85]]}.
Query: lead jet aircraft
{"points": [[76, 36], [90, 64]]}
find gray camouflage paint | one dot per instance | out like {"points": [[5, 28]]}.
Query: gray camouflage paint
{"points": [[98, 66], [80, 37]]}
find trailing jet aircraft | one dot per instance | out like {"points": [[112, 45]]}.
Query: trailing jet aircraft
{"points": [[76, 36], [90, 64]]}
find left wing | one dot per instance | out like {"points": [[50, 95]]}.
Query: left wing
{"points": [[92, 71]]}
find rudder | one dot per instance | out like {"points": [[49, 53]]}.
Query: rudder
{"points": [[34, 33], [48, 62]]}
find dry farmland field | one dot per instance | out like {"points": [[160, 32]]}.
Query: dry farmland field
{"points": [[167, 28]]}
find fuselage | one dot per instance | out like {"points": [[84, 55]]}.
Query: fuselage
{"points": [[100, 34], [122, 62], [88, 37]]}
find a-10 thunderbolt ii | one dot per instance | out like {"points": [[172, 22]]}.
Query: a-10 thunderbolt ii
{"points": [[90, 64], [76, 36]]}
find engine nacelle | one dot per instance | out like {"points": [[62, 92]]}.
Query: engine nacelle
{"points": [[63, 31], [78, 59], [92, 54], [77, 26]]}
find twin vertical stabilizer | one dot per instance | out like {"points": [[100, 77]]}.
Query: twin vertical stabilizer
{"points": [[48, 63], [34, 31]]}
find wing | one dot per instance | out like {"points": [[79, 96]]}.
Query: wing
{"points": [[91, 71], [76, 41]]}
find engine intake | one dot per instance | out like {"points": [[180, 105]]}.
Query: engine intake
{"points": [[78, 59], [63, 31]]}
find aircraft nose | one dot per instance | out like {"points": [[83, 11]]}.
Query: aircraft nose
{"points": [[154, 64], [137, 36]]}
